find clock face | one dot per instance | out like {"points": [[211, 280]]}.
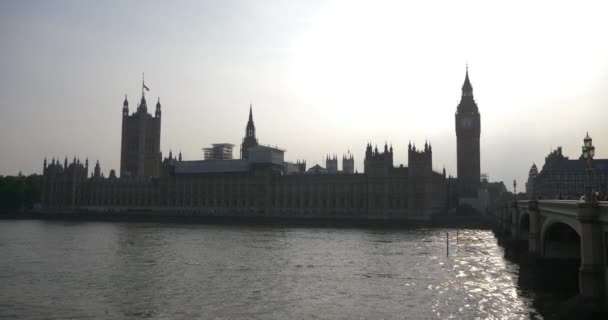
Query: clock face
{"points": [[466, 122]]}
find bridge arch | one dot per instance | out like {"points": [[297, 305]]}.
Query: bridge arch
{"points": [[561, 249], [561, 239]]}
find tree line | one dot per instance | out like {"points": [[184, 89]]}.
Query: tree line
{"points": [[20, 192]]}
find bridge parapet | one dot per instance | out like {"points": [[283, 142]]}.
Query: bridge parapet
{"points": [[603, 212], [568, 208], [588, 220]]}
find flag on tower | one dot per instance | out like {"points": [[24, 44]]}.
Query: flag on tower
{"points": [[147, 89]]}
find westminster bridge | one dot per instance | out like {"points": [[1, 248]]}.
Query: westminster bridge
{"points": [[560, 244]]}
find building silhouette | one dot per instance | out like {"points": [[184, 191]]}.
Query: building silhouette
{"points": [[218, 151], [564, 178], [468, 129], [261, 182], [250, 140], [331, 164], [348, 163], [140, 143]]}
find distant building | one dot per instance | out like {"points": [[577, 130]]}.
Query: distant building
{"points": [[260, 183], [564, 178], [532, 174], [266, 154], [331, 164], [295, 168], [218, 151], [348, 163], [468, 130], [140, 154], [317, 169]]}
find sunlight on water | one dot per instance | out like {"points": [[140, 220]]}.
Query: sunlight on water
{"points": [[134, 271]]}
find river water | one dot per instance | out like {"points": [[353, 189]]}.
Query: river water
{"points": [[103, 270]]}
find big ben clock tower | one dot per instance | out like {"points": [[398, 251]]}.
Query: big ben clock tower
{"points": [[468, 130]]}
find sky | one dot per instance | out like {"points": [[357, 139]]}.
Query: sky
{"points": [[324, 77]]}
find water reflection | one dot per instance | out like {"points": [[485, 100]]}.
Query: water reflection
{"points": [[134, 271]]}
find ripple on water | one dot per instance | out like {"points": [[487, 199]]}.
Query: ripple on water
{"points": [[135, 271]]}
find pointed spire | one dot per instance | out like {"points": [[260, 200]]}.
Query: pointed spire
{"points": [[180, 156], [467, 88], [250, 130], [125, 107]]}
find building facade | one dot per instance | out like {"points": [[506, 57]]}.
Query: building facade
{"points": [[564, 178], [260, 183], [140, 154]]}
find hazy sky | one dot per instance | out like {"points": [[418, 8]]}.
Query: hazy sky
{"points": [[323, 77]]}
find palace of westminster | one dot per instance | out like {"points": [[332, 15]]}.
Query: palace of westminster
{"points": [[260, 182]]}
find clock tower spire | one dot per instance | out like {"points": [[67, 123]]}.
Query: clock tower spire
{"points": [[468, 130]]}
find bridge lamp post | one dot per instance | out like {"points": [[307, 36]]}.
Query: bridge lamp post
{"points": [[588, 154]]}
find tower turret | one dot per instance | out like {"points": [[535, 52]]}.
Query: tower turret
{"points": [[348, 163], [376, 163], [97, 172], [157, 113], [331, 164], [143, 106], [140, 145], [125, 107]]}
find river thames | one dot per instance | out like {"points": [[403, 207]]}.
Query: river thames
{"points": [[110, 270]]}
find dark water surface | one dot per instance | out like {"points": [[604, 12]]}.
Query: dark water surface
{"points": [[98, 270]]}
